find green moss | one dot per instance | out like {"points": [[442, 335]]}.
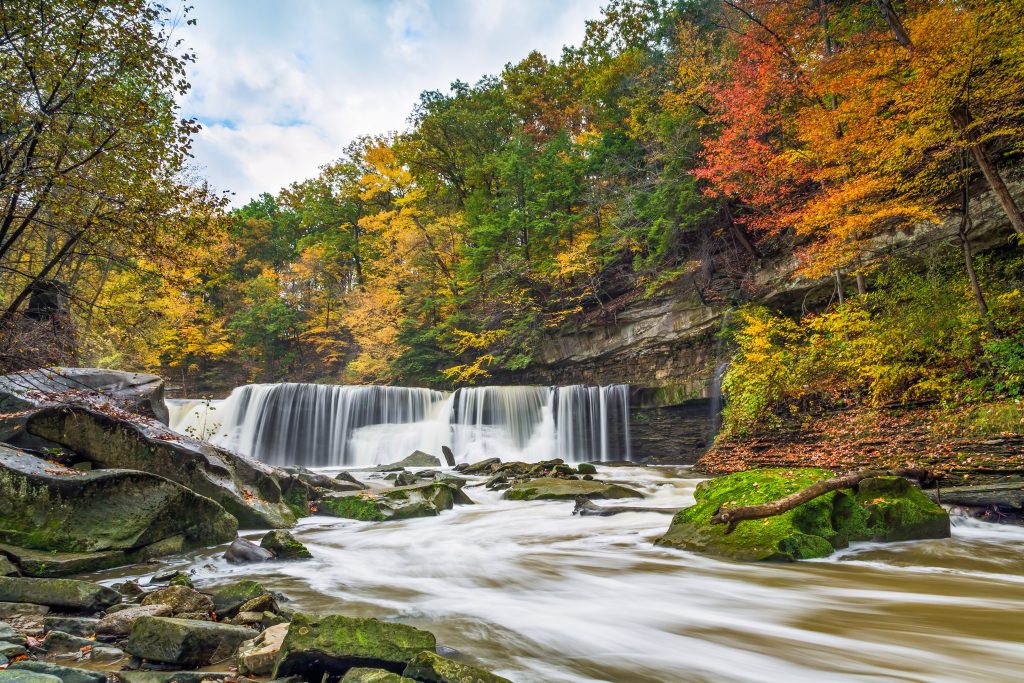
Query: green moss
{"points": [[551, 488], [352, 507], [428, 666]]}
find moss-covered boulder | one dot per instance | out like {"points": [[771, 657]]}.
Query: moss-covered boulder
{"points": [[105, 517], [67, 594], [433, 668], [404, 502], [228, 600], [181, 600], [878, 509], [333, 644], [285, 546], [184, 641], [19, 676], [364, 675], [552, 488]]}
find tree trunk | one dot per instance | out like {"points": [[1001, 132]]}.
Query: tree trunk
{"points": [[963, 231], [839, 288], [862, 285], [893, 19], [962, 118], [734, 515]]}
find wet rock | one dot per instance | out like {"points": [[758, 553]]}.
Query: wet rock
{"points": [[9, 635], [130, 589], [59, 643], [364, 675], [318, 645], [285, 546], [9, 610], [449, 457], [105, 654], [120, 623], [66, 674], [349, 478], [228, 600], [244, 618], [76, 626], [256, 657], [249, 490], [417, 459], [881, 509], [314, 480], [172, 676], [586, 468], [180, 599], [482, 467], [406, 479], [551, 488], [195, 616], [433, 668], [262, 603], [64, 593], [272, 619], [20, 676], [12, 650], [185, 642], [422, 500], [242, 551]]}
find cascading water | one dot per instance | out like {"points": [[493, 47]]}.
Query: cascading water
{"points": [[325, 425]]}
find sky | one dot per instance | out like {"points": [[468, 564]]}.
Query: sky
{"points": [[281, 87]]}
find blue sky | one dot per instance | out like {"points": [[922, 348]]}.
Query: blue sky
{"points": [[281, 86]]}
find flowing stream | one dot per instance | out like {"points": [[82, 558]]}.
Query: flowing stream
{"points": [[318, 425], [535, 594]]}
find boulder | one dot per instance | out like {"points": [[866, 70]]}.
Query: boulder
{"points": [[172, 676], [256, 657], [10, 610], [21, 676], [97, 519], [242, 551], [12, 650], [181, 600], [318, 645], [314, 480], [361, 674], [487, 466], [68, 594], [228, 600], [248, 489], [586, 468], [417, 459], [185, 642], [59, 643], [76, 626], [135, 392], [879, 509], [120, 623], [433, 668], [263, 603], [9, 635], [66, 674], [378, 505], [449, 457], [551, 488], [284, 546]]}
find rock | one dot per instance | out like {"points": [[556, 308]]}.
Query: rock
{"points": [[76, 626], [12, 650], [7, 568], [66, 674], [363, 675], [120, 623], [314, 480], [172, 676], [256, 657], [185, 642], [132, 391], [249, 490], [195, 616], [586, 468], [318, 645], [262, 603], [69, 594], [94, 520], [433, 668], [550, 488], [272, 619], [9, 610], [180, 599], [228, 600], [449, 457], [20, 676], [60, 643], [880, 509], [378, 505], [9, 635], [105, 654], [487, 466], [242, 551], [247, 618], [406, 479], [284, 546], [130, 589], [417, 459]]}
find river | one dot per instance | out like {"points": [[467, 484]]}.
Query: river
{"points": [[535, 594]]}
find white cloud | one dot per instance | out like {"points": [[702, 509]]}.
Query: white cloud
{"points": [[282, 86]]}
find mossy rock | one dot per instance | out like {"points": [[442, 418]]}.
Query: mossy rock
{"points": [[228, 600], [68, 594], [551, 488], [586, 468], [333, 644], [66, 674], [433, 668], [285, 546], [881, 509], [405, 502], [362, 674], [184, 641]]}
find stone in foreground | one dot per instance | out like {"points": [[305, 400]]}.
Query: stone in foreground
{"points": [[120, 623], [20, 676], [365, 675], [68, 594], [318, 645], [433, 668], [879, 509], [67, 674], [552, 488], [185, 642], [256, 657], [405, 502]]}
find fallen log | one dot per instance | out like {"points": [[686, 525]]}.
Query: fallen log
{"points": [[585, 508], [734, 515]]}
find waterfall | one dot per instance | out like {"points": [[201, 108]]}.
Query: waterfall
{"points": [[332, 426]]}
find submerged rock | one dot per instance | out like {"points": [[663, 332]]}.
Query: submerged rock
{"points": [[421, 500], [67, 594], [185, 642], [433, 668], [551, 488], [242, 551], [318, 645], [285, 546], [879, 509]]}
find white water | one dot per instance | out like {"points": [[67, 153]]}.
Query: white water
{"points": [[325, 425], [537, 595]]}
